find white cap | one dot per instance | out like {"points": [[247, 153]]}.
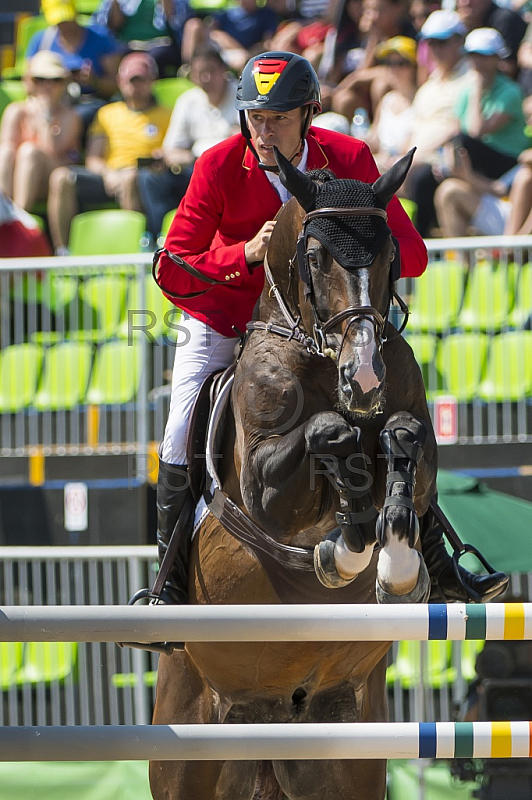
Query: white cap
{"points": [[332, 122], [46, 64], [442, 24], [486, 42]]}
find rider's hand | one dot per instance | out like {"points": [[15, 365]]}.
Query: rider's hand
{"points": [[255, 249]]}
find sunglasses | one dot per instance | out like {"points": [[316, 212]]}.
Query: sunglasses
{"points": [[36, 79], [439, 42], [396, 62]]}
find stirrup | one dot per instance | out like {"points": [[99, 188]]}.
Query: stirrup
{"points": [[166, 648], [456, 556]]}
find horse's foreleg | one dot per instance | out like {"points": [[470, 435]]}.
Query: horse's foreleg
{"points": [[401, 573], [347, 551]]}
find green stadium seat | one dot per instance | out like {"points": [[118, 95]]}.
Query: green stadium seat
{"points": [[104, 296], [110, 231], [123, 680], [26, 28], [406, 669], [437, 297], [20, 368], [208, 6], [154, 302], [424, 347], [65, 376], [469, 650], [10, 92], [165, 227], [508, 374], [10, 663], [522, 309], [410, 207], [116, 374], [44, 662], [460, 360], [487, 299], [86, 6], [167, 90]]}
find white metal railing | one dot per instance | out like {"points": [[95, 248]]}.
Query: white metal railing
{"points": [[51, 301], [105, 684]]}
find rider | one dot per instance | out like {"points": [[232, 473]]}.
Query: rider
{"points": [[222, 228]]}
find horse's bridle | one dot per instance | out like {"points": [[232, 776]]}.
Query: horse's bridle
{"points": [[317, 344]]}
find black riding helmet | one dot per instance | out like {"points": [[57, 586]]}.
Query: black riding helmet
{"points": [[278, 81]]}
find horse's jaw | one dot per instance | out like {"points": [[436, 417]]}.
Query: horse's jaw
{"points": [[367, 407]]}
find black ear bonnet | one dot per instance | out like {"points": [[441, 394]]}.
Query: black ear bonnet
{"points": [[352, 241]]}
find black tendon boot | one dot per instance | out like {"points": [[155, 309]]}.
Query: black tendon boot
{"points": [[447, 585], [174, 498]]}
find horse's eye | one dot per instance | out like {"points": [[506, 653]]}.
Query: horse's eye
{"points": [[314, 259]]}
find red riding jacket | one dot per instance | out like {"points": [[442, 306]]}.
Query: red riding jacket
{"points": [[229, 199]]}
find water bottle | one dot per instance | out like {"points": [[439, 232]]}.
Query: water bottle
{"points": [[360, 124], [147, 243]]}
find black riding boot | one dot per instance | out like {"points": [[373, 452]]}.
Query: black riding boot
{"points": [[447, 586], [173, 497]]}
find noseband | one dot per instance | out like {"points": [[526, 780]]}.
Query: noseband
{"points": [[317, 344]]}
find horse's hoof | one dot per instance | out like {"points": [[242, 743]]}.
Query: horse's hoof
{"points": [[325, 566], [419, 594]]}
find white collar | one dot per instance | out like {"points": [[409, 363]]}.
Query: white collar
{"points": [[276, 183]]}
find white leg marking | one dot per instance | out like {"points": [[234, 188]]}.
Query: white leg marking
{"points": [[398, 566], [349, 564]]}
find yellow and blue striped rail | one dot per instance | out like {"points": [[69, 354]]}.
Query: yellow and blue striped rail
{"points": [[268, 623], [283, 741]]}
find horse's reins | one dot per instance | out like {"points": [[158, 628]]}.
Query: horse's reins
{"points": [[317, 345]]}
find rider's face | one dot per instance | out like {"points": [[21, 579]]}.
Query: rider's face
{"points": [[279, 128]]}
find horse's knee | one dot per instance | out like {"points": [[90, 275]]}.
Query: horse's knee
{"points": [[406, 427], [329, 434]]}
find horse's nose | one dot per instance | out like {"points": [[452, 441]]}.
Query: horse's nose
{"points": [[361, 378]]}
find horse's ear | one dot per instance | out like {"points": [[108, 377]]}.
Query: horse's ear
{"points": [[304, 189], [387, 185]]}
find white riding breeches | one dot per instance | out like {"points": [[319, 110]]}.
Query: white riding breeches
{"points": [[199, 351]]}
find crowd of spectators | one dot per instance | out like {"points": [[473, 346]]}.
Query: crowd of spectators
{"points": [[455, 82]]}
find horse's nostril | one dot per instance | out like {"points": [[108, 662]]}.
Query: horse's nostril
{"points": [[299, 696]]}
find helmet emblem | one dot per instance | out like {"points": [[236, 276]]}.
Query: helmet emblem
{"points": [[266, 72]]}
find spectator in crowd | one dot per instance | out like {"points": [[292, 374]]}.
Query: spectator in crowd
{"points": [[91, 55], [346, 40], [152, 25], [237, 31], [487, 14], [469, 202], [391, 131], [39, 133], [524, 61], [381, 20], [435, 121], [311, 14], [121, 134], [490, 107], [420, 11], [326, 40], [202, 117]]}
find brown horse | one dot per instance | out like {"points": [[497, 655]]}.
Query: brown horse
{"points": [[327, 423]]}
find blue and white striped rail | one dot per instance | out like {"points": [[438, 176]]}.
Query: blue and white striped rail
{"points": [[268, 623], [268, 741]]}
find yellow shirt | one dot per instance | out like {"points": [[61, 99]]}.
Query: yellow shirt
{"points": [[130, 134]]}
